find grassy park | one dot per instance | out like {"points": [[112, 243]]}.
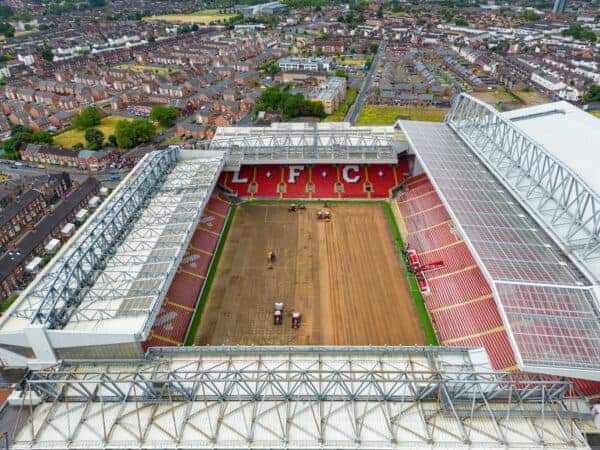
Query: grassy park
{"points": [[73, 136], [347, 61], [387, 115], [140, 68], [205, 16]]}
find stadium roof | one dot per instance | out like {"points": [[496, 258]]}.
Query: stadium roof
{"points": [[555, 192], [296, 397], [111, 277], [567, 132], [305, 143], [548, 307]]}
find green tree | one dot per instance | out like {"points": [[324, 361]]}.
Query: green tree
{"points": [[271, 67], [112, 139], [373, 47], [47, 53], [42, 137], [7, 29], [130, 133], [185, 28], [163, 114], [531, 16], [94, 138], [580, 33], [292, 105], [87, 118], [593, 94], [6, 11], [341, 73], [21, 136], [460, 22]]}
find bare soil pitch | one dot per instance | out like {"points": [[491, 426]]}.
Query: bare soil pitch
{"points": [[345, 277]]}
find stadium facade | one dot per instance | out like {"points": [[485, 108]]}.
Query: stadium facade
{"points": [[527, 212]]}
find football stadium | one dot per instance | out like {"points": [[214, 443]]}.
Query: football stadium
{"points": [[328, 286]]}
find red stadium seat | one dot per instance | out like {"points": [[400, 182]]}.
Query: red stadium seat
{"points": [[382, 178], [429, 218], [172, 322], [296, 178], [433, 237], [240, 184], [466, 319], [497, 347], [268, 178], [324, 177], [353, 179], [457, 288], [218, 205]]}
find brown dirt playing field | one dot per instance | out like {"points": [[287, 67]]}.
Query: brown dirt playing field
{"points": [[345, 277]]}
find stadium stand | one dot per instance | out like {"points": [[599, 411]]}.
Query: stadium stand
{"points": [[462, 309], [173, 320], [324, 177], [460, 303], [292, 397], [324, 180]]}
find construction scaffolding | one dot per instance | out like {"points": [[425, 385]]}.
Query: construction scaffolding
{"points": [[296, 397]]}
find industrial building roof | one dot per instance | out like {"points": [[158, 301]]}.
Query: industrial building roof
{"points": [[548, 306]]}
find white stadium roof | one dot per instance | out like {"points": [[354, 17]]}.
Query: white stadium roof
{"points": [[305, 143], [107, 283], [294, 398], [548, 305], [569, 133]]}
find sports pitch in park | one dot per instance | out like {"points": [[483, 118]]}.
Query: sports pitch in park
{"points": [[345, 277]]}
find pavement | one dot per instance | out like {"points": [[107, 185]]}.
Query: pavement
{"points": [[354, 111]]}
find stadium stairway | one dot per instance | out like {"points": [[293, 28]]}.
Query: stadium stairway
{"points": [[177, 310]]}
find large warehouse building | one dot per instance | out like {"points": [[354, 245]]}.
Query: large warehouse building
{"points": [[520, 206]]}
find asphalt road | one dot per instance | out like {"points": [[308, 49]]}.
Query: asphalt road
{"points": [[9, 168], [105, 177], [354, 111]]}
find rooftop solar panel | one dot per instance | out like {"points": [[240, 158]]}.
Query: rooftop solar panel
{"points": [[547, 304]]}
